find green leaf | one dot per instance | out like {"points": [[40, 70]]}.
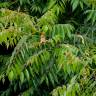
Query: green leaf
{"points": [[75, 4], [11, 75], [51, 79], [27, 74], [22, 77], [45, 28]]}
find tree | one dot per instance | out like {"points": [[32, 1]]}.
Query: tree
{"points": [[51, 52]]}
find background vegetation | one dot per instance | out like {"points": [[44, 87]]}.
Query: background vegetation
{"points": [[47, 47]]}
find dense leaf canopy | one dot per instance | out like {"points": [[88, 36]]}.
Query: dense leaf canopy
{"points": [[47, 47]]}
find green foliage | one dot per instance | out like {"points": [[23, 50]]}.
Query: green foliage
{"points": [[76, 3], [64, 30], [91, 15], [71, 90], [13, 25], [53, 53], [5, 4]]}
